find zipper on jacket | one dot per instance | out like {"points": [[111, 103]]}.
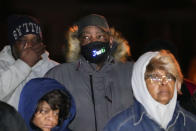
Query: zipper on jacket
{"points": [[93, 99]]}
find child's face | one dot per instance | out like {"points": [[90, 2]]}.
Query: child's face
{"points": [[45, 118]]}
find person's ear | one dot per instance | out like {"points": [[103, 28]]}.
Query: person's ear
{"points": [[178, 87]]}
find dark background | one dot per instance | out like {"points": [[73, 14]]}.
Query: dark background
{"points": [[140, 21]]}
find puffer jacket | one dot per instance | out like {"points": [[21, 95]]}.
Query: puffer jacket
{"points": [[99, 94]]}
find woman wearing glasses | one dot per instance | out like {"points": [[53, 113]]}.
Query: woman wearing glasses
{"points": [[156, 80]]}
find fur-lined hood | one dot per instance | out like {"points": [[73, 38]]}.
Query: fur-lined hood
{"points": [[120, 49]]}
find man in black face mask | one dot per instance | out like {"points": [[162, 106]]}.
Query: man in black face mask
{"points": [[97, 72], [95, 40]]}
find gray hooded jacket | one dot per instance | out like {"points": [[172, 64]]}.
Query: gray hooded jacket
{"points": [[98, 94]]}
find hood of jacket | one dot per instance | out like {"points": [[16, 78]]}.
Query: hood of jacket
{"points": [[33, 91], [120, 49], [159, 112]]}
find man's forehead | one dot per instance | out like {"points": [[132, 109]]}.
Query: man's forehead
{"points": [[92, 29], [29, 36]]}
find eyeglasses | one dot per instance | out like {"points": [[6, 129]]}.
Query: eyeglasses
{"points": [[159, 78]]}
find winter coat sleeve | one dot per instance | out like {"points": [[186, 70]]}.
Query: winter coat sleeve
{"points": [[12, 76]]}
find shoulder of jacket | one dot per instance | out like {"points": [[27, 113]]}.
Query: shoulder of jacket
{"points": [[186, 115]]}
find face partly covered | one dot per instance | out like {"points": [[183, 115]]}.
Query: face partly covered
{"points": [[95, 45], [45, 118], [27, 41], [160, 85]]}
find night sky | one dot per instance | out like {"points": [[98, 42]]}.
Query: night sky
{"points": [[139, 21]]}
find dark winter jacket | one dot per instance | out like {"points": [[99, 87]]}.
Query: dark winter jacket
{"points": [[99, 94], [10, 119], [136, 118]]}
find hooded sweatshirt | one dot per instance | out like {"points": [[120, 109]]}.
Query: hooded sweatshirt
{"points": [[161, 113], [15, 73], [99, 94], [33, 91], [146, 114]]}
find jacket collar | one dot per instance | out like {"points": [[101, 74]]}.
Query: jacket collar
{"points": [[83, 65], [138, 117], [178, 113]]}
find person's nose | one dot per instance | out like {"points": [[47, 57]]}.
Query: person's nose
{"points": [[51, 116], [94, 38], [164, 81]]}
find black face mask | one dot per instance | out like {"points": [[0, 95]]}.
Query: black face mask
{"points": [[96, 52]]}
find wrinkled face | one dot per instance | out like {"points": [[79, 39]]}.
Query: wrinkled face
{"points": [[45, 118], [27, 41], [91, 34], [161, 85]]}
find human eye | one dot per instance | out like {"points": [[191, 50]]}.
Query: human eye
{"points": [[155, 77], [56, 112], [44, 111], [36, 40], [22, 41], [85, 37], [101, 36], [170, 77]]}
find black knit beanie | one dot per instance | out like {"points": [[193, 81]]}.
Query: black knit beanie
{"points": [[20, 25], [93, 20]]}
